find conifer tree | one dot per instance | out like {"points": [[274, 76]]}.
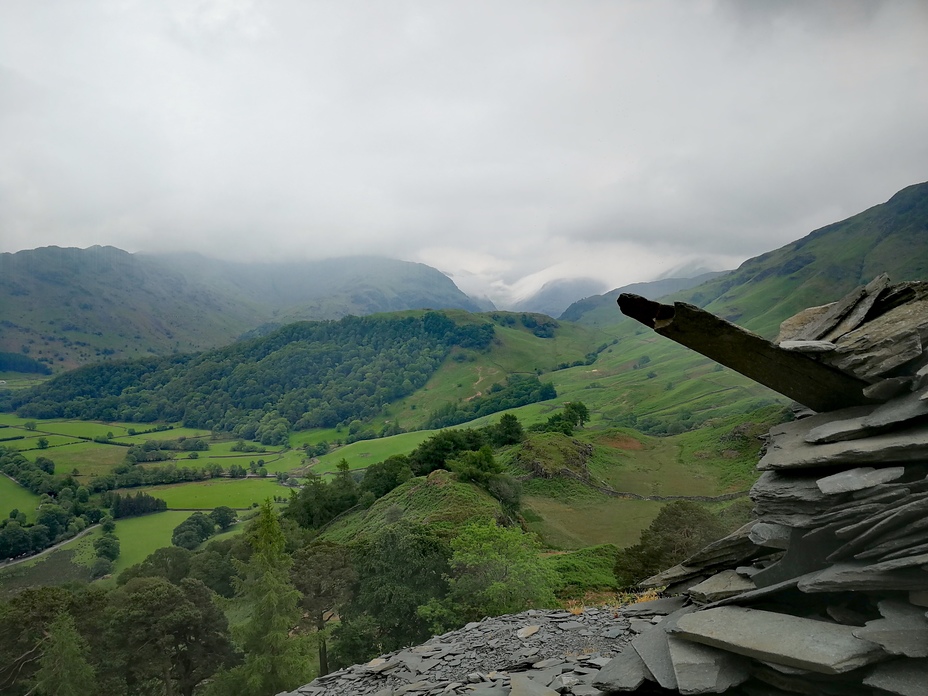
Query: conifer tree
{"points": [[63, 667], [274, 660]]}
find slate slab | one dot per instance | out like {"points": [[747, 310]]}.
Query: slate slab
{"points": [[903, 630], [897, 411], [902, 677], [654, 651], [807, 346], [788, 640], [700, 669], [774, 536], [789, 450], [858, 479], [655, 607], [883, 344], [625, 672], [857, 576], [727, 583], [523, 686]]}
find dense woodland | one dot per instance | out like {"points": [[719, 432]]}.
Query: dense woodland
{"points": [[304, 375]]}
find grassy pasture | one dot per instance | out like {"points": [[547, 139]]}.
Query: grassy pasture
{"points": [[87, 457], [76, 428], [32, 444], [207, 495], [141, 536], [587, 522], [361, 455], [15, 497]]}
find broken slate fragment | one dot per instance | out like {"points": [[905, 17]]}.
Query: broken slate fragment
{"points": [[656, 607], [775, 536], [700, 669], [858, 479], [625, 672], [653, 649], [807, 346], [902, 677], [788, 450], [523, 686], [787, 640], [727, 583], [903, 630], [863, 577]]}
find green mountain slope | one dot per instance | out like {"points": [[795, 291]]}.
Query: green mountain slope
{"points": [[599, 310], [68, 307], [821, 267]]}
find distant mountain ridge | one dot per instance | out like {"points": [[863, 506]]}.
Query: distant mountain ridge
{"points": [[601, 309], [70, 306], [821, 267], [557, 295]]}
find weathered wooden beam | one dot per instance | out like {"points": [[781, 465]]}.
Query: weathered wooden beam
{"points": [[792, 374]]}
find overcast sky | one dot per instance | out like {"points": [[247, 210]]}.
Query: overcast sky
{"points": [[505, 142]]}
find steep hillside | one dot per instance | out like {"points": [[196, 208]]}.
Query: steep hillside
{"points": [[821, 267], [68, 307], [824, 265]]}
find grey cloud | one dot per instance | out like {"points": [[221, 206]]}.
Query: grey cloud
{"points": [[501, 142]]}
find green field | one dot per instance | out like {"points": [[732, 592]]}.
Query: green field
{"points": [[89, 458], [361, 455], [207, 495], [15, 497], [140, 536], [599, 520]]}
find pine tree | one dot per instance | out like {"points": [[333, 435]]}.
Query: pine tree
{"points": [[274, 661], [63, 667]]}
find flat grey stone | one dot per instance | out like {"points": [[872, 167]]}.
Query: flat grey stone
{"points": [[856, 315], [523, 686], [862, 577], [919, 598], [795, 327], [915, 510], [654, 651], [489, 691], [838, 431], [858, 479], [888, 388], [625, 672], [897, 411], [882, 344], [902, 677], [656, 607], [824, 322], [788, 640], [790, 451], [701, 669], [903, 630], [807, 346], [774, 536], [672, 576], [727, 583]]}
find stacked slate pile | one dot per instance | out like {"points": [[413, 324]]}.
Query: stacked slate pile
{"points": [[827, 591]]}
